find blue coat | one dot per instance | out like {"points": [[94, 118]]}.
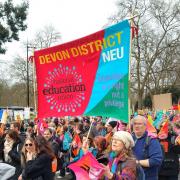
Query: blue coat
{"points": [[154, 154]]}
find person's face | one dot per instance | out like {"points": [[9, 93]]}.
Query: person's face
{"points": [[86, 124], [61, 131], [109, 128], [176, 130], [117, 145], [99, 118], [29, 146], [98, 126], [85, 142], [12, 127], [47, 135], [139, 127], [123, 126], [77, 129], [53, 128], [8, 138], [29, 129]]}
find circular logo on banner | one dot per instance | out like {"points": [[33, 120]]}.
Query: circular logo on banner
{"points": [[64, 89]]}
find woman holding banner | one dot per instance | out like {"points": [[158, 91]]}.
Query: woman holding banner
{"points": [[122, 164]]}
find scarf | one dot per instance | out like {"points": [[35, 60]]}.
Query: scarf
{"points": [[114, 160], [7, 148]]}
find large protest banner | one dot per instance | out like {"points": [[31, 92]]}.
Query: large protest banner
{"points": [[87, 76]]}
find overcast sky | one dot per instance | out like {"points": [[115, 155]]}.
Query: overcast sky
{"points": [[72, 18]]}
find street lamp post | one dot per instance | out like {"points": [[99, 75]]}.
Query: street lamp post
{"points": [[27, 66]]}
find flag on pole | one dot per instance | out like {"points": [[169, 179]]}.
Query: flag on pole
{"points": [[134, 30], [150, 119], [42, 125], [151, 130], [163, 133], [158, 120], [3, 116], [87, 168]]}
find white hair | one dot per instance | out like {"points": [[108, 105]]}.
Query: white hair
{"points": [[139, 117]]}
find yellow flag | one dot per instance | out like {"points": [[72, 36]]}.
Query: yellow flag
{"points": [[4, 117], [150, 119]]}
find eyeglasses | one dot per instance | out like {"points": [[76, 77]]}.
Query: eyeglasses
{"points": [[139, 124], [28, 144]]}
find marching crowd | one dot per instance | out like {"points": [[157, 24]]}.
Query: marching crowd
{"points": [[126, 151]]}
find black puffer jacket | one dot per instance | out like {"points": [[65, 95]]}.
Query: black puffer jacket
{"points": [[15, 154], [170, 164], [1, 147], [39, 168]]}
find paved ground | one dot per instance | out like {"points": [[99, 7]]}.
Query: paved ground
{"points": [[67, 177]]}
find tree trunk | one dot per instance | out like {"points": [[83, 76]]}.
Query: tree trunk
{"points": [[140, 100]]}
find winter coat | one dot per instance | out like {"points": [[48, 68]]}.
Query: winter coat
{"points": [[55, 146], [170, 164], [1, 147], [15, 159], [122, 167], [153, 153], [40, 167], [6, 171]]}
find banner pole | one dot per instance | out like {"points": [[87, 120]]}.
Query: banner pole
{"points": [[132, 17], [130, 58], [89, 129], [34, 84]]}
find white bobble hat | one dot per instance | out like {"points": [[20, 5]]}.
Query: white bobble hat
{"points": [[125, 137]]}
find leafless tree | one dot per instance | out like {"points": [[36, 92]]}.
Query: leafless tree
{"points": [[155, 50], [44, 38]]}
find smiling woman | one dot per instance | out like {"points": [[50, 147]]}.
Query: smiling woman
{"points": [[37, 157], [12, 152], [28, 148], [121, 164]]}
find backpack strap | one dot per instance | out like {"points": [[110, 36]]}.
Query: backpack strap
{"points": [[173, 140], [17, 148], [146, 145]]}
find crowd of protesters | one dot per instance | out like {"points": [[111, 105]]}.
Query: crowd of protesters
{"points": [[43, 153]]}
